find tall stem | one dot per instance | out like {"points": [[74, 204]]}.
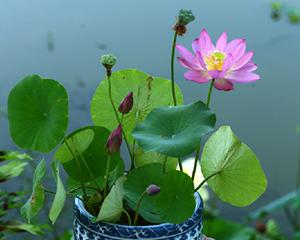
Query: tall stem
{"points": [[198, 149], [78, 166], [180, 164], [136, 216], [196, 162], [106, 175], [117, 117], [209, 92], [172, 68]]}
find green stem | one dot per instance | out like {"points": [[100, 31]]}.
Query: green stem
{"points": [[68, 193], [165, 164], [78, 166], [133, 155], [172, 68], [117, 116], [199, 148], [205, 180], [89, 170], [106, 176], [128, 217], [209, 92], [196, 162], [180, 164], [136, 216]]}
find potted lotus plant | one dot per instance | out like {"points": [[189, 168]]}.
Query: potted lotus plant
{"points": [[151, 199]]}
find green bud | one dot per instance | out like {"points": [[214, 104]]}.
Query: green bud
{"points": [[185, 16], [108, 60]]}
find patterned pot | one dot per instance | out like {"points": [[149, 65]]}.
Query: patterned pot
{"points": [[84, 229]]}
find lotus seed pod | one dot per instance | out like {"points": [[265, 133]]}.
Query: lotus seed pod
{"points": [[108, 60], [185, 16]]}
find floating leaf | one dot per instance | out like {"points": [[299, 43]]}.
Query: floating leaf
{"points": [[177, 192], [112, 207], [38, 113], [88, 146], [36, 200], [60, 195], [148, 92], [239, 178], [175, 131]]}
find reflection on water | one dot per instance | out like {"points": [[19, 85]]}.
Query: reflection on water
{"points": [[263, 115]]}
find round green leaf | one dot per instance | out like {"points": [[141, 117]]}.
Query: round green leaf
{"points": [[38, 113], [177, 192], [175, 131], [238, 177], [88, 146], [148, 92]]}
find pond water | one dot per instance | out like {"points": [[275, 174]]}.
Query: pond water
{"points": [[63, 40]]}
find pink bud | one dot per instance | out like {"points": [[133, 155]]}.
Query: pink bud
{"points": [[126, 104], [114, 141], [152, 189]]}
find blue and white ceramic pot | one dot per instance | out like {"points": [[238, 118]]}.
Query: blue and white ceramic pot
{"points": [[84, 229]]}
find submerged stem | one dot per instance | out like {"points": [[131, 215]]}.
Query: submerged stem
{"points": [[172, 68]]}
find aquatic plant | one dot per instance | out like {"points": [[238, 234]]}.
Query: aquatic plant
{"points": [[147, 114]]}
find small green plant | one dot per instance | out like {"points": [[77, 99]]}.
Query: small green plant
{"points": [[147, 114], [12, 165]]}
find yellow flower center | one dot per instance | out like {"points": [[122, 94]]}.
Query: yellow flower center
{"points": [[215, 61]]}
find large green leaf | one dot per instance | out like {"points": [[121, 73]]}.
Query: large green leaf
{"points": [[112, 207], [38, 113], [239, 178], [60, 195], [36, 200], [175, 131], [149, 92], [88, 146], [177, 192]]}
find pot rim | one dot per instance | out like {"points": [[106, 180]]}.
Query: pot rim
{"points": [[199, 206]]}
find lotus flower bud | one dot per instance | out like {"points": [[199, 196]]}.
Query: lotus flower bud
{"points": [[152, 190], [114, 141], [108, 61], [126, 104], [185, 16]]}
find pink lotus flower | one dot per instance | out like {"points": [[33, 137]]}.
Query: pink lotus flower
{"points": [[227, 63]]}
